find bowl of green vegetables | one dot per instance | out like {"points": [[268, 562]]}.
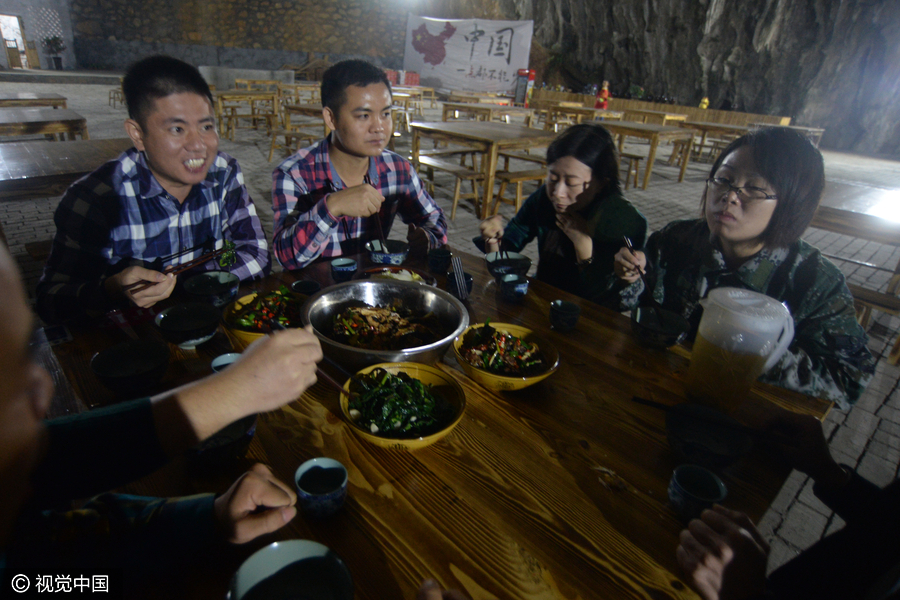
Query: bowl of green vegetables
{"points": [[403, 405]]}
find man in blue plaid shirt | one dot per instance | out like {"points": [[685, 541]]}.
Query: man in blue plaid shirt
{"points": [[332, 198], [168, 200]]}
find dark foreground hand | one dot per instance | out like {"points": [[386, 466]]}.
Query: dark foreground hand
{"points": [[431, 590], [256, 504], [723, 555]]}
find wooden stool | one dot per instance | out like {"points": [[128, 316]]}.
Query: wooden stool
{"points": [[292, 139], [460, 172], [517, 177], [116, 95], [634, 164]]}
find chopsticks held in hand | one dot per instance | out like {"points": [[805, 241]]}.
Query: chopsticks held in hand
{"points": [[276, 326], [139, 286]]}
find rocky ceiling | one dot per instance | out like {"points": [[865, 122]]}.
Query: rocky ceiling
{"points": [[826, 63]]}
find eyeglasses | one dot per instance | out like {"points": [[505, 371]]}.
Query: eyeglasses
{"points": [[747, 194]]}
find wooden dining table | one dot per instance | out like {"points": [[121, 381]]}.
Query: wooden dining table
{"points": [[49, 122], [550, 492], [657, 117], [487, 138], [473, 97], [31, 99], [485, 111], [42, 169], [655, 134]]}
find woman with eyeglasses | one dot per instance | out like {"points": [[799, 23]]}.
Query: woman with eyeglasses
{"points": [[578, 217], [761, 195]]}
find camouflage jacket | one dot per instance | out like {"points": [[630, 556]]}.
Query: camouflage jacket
{"points": [[828, 357]]}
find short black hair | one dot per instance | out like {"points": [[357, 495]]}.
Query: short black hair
{"points": [[592, 145], [794, 167], [339, 76], [157, 77]]}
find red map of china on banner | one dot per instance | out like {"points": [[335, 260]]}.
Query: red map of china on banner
{"points": [[467, 54]]}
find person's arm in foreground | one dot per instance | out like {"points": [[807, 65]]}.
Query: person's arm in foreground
{"points": [[105, 448], [431, 590]]}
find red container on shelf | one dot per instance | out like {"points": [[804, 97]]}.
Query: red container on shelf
{"points": [[411, 78], [391, 75]]}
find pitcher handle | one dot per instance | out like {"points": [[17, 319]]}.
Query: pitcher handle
{"points": [[787, 335]]}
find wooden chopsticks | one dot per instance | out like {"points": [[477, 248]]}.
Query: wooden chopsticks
{"points": [[138, 286], [276, 326]]}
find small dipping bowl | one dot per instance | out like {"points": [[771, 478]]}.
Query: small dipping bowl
{"points": [[657, 327], [439, 260], [564, 315], [393, 252], [342, 269], [693, 489], [188, 325], [221, 362], [321, 486], [292, 569], [306, 287], [216, 287], [453, 288], [513, 287]]}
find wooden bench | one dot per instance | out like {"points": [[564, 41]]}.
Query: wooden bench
{"points": [[517, 177], [874, 229], [292, 139], [634, 166], [460, 172], [534, 158]]}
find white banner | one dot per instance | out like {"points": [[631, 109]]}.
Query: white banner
{"points": [[467, 54]]}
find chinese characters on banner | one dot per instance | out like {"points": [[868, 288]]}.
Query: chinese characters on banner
{"points": [[467, 54]]}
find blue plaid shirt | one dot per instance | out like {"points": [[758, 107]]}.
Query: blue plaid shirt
{"points": [[305, 229], [120, 216]]}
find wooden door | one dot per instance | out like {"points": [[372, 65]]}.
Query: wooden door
{"points": [[12, 54], [31, 55]]}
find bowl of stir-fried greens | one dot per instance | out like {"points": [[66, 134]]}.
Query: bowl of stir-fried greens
{"points": [[403, 405], [505, 357], [249, 317]]}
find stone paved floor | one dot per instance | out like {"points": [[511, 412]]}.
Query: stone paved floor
{"points": [[867, 437]]}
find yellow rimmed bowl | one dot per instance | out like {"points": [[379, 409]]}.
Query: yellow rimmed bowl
{"points": [[443, 385], [508, 383], [230, 313]]}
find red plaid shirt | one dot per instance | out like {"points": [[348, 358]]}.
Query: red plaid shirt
{"points": [[305, 229]]}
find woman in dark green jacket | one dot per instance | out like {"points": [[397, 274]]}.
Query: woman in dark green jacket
{"points": [[578, 217]]}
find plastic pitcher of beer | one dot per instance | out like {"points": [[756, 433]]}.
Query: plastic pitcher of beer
{"points": [[742, 335]]}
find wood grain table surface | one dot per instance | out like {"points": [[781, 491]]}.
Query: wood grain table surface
{"points": [[655, 134], [8, 99], [42, 169], [45, 121], [556, 491], [489, 138]]}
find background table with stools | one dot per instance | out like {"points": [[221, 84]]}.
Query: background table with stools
{"points": [[655, 134], [49, 122], [489, 138], [11, 99]]}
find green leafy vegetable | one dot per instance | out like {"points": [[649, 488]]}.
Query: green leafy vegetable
{"points": [[397, 406]]}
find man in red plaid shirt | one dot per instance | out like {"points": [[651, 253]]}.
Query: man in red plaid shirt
{"points": [[327, 197]]}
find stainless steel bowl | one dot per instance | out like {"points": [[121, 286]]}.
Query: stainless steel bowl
{"points": [[319, 311]]}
